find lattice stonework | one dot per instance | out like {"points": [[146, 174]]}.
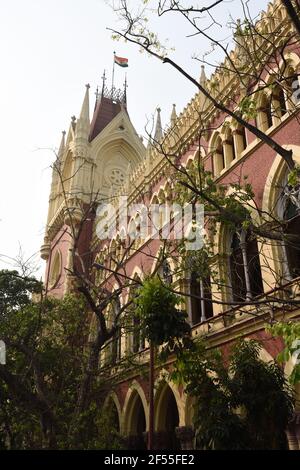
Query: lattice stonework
{"points": [[116, 177]]}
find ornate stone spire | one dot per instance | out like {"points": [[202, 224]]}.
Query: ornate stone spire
{"points": [[202, 79], [158, 128], [173, 115], [83, 125], [62, 145], [84, 118], [80, 169]]}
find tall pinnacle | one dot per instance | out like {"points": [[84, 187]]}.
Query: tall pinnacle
{"points": [[85, 110], [202, 76], [158, 128], [203, 82], [173, 115], [62, 145], [83, 123]]}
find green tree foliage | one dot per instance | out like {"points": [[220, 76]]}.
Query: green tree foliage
{"points": [[15, 290], [290, 333], [245, 404], [161, 320], [46, 360]]}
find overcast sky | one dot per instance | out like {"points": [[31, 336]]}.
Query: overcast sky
{"points": [[49, 50]]}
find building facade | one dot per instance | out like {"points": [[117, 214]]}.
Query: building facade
{"points": [[104, 159]]}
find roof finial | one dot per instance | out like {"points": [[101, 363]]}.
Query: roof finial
{"points": [[202, 76], [103, 78], [83, 123], [158, 128], [62, 145], [73, 122], [85, 110], [125, 89], [173, 115]]}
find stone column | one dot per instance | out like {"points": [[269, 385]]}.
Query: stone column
{"points": [[219, 161], [238, 142], [297, 427], [187, 289], [243, 245], [186, 434], [293, 432], [292, 438], [228, 152], [202, 294]]}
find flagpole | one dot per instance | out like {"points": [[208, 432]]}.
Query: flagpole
{"points": [[113, 75], [125, 89]]}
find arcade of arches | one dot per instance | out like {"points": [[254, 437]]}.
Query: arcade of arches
{"points": [[172, 418]]}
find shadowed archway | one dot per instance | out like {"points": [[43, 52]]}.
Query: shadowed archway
{"points": [[166, 419], [135, 422]]}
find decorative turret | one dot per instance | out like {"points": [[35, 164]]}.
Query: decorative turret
{"points": [[45, 249], [158, 128], [83, 126], [109, 103], [157, 133], [56, 168], [203, 83], [203, 78], [241, 46], [79, 178], [173, 115], [62, 145]]}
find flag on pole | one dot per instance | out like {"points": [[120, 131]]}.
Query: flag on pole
{"points": [[121, 61]]}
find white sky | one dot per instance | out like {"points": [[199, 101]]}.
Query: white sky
{"points": [[49, 49]]}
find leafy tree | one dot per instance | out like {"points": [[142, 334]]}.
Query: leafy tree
{"points": [[245, 404], [161, 320], [47, 357], [290, 332], [15, 290]]}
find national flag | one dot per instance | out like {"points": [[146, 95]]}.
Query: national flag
{"points": [[121, 61]]}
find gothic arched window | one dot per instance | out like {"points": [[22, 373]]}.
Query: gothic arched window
{"points": [[200, 298], [114, 352], [245, 271], [240, 140], [279, 101], [265, 119], [137, 337], [292, 248], [55, 270], [218, 156]]}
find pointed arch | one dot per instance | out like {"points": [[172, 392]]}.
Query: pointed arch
{"points": [[228, 143], [161, 385], [132, 415], [169, 414], [55, 269], [282, 261], [217, 151], [112, 400], [265, 111], [135, 339]]}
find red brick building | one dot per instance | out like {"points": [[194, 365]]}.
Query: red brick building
{"points": [[104, 159]]}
